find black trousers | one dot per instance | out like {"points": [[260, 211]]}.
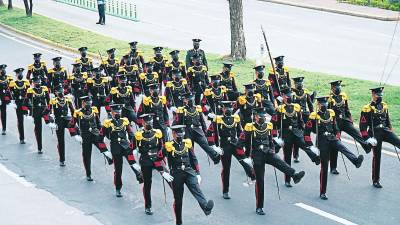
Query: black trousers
{"points": [[20, 123], [348, 128], [296, 148], [337, 146], [382, 135], [292, 141], [200, 139], [323, 176], [226, 159], [87, 141], [118, 160], [102, 13], [38, 131], [259, 168], [181, 178], [60, 132], [147, 181], [3, 112]]}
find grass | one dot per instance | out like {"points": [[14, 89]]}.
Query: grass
{"points": [[383, 4], [68, 35]]}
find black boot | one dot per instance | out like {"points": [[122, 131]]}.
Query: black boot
{"points": [[287, 184], [118, 193], [323, 197], [210, 205], [377, 184], [89, 178], [334, 171], [359, 161], [226, 196], [298, 176], [148, 211], [62, 164], [260, 211]]}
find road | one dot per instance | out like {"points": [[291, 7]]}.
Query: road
{"points": [[311, 40], [350, 202]]}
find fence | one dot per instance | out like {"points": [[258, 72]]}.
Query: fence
{"points": [[116, 8]]}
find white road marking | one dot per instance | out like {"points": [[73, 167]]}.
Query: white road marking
{"points": [[16, 177], [324, 214]]}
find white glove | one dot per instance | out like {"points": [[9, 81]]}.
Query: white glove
{"points": [[315, 150], [198, 179], [136, 167], [167, 177], [218, 150], [78, 138], [107, 154], [279, 98], [372, 141], [13, 104], [110, 78], [211, 115], [173, 108], [52, 126], [52, 95], [279, 141], [248, 161], [135, 152]]}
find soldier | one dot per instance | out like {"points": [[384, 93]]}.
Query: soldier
{"points": [[120, 134], [157, 106], [175, 64], [57, 75], [159, 65], [197, 76], [77, 82], [85, 61], [225, 134], [305, 99], [149, 142], [191, 115], [61, 112], [263, 87], [148, 78], [281, 79], [196, 51], [175, 89], [88, 133], [323, 124], [213, 97], [247, 102], [135, 56], [228, 80], [122, 94], [5, 96], [99, 88], [289, 123], [184, 169], [111, 65], [19, 89], [132, 74], [376, 128], [338, 101], [258, 141], [37, 69], [37, 99]]}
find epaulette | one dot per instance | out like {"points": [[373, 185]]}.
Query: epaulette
{"points": [[95, 110], [163, 99], [242, 100], [218, 119], [258, 97], [53, 101], [68, 98], [90, 80], [313, 116], [306, 91], [232, 74], [271, 70], [184, 81], [169, 84], [158, 133], [270, 126], [207, 92], [249, 127], [169, 146], [12, 84], [142, 76], [286, 69], [30, 66], [129, 89], [199, 109], [70, 77], [84, 75], [180, 110], [77, 113], [155, 74], [190, 69], [297, 107], [139, 53], [107, 123], [188, 143], [331, 113], [125, 121], [236, 118], [366, 108], [204, 68], [385, 105], [281, 109], [139, 135], [223, 89], [29, 91], [26, 83], [113, 91], [147, 101], [77, 60], [45, 89], [51, 70], [344, 96]]}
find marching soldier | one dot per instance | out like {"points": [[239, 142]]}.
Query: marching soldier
{"points": [[61, 112], [77, 82], [132, 74], [37, 99], [120, 134], [149, 142], [338, 102], [247, 102], [191, 115], [196, 51], [263, 87], [228, 80], [159, 64], [225, 134], [376, 128], [175, 64], [281, 79], [289, 123], [323, 124], [175, 89], [37, 69], [212, 97], [184, 169], [111, 65], [19, 89], [85, 61], [99, 88], [258, 141], [148, 78], [5, 96], [197, 76], [305, 99], [122, 94], [88, 133], [135, 56], [57, 75]]}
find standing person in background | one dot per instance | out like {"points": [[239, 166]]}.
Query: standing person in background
{"points": [[101, 5]]}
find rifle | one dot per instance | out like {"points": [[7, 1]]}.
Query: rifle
{"points": [[270, 58]]}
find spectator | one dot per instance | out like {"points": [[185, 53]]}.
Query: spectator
{"points": [[101, 4]]}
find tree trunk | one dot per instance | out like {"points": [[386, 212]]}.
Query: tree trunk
{"points": [[1, 3], [238, 44], [10, 6], [30, 8]]}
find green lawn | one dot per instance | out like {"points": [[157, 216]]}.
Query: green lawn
{"points": [[383, 4], [358, 90]]}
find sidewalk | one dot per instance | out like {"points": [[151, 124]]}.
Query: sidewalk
{"points": [[342, 8], [23, 204]]}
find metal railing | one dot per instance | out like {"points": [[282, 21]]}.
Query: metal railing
{"points": [[122, 9]]}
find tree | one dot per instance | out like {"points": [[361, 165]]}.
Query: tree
{"points": [[28, 7], [10, 4], [1, 3], [238, 45]]}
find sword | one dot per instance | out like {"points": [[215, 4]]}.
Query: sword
{"points": [[345, 167]]}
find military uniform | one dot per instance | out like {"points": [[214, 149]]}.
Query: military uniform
{"points": [[132, 75], [213, 97], [77, 82], [282, 79], [263, 87], [246, 103], [135, 57], [228, 80], [196, 51], [324, 125], [375, 123], [99, 88], [148, 78], [57, 76], [123, 95], [197, 76], [38, 69], [160, 63], [174, 91], [5, 97], [175, 64], [86, 62]]}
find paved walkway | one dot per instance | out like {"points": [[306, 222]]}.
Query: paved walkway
{"points": [[342, 8]]}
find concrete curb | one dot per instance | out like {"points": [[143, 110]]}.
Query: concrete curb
{"points": [[356, 14]]}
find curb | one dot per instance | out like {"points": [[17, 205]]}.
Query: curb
{"points": [[382, 18]]}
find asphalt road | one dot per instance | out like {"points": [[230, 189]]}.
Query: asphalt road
{"points": [[310, 40], [356, 200]]}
